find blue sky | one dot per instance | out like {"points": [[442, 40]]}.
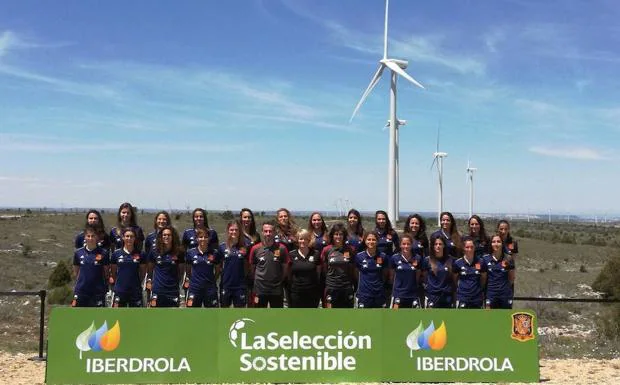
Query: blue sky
{"points": [[238, 103]]}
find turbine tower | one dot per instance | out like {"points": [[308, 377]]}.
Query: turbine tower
{"points": [[438, 159], [396, 67], [470, 178]]}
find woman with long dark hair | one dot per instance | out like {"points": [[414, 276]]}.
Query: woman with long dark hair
{"points": [[318, 232], [94, 220], [405, 273], [415, 226], [372, 272], [449, 233], [235, 267], [482, 242], [250, 235], [500, 276], [126, 217], [437, 269], [355, 230], [161, 220], [511, 246], [337, 265], [165, 268], [127, 268], [469, 277], [199, 219], [286, 229], [387, 241]]}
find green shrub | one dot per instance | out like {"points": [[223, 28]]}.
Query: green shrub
{"points": [[26, 249], [609, 323], [227, 215], [608, 280], [61, 276], [60, 295]]}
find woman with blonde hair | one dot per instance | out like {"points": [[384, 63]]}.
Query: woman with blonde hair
{"points": [[304, 271]]}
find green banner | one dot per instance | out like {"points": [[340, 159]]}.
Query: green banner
{"points": [[290, 345]]}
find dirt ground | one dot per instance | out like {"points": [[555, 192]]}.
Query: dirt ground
{"points": [[17, 369]]}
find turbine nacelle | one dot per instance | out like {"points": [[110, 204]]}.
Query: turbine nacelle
{"points": [[440, 154], [403, 64]]}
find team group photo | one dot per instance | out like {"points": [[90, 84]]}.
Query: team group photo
{"points": [[277, 261]]}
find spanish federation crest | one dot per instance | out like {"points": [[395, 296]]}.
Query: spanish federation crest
{"points": [[522, 326]]}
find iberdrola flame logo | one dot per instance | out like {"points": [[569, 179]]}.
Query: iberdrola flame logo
{"points": [[429, 338], [99, 339]]}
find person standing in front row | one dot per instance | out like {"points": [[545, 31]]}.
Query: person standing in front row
{"points": [[500, 276], [128, 268], [437, 270], [405, 273], [203, 268], [235, 267], [166, 264], [338, 269], [469, 277], [268, 260], [90, 267], [373, 274], [304, 272]]}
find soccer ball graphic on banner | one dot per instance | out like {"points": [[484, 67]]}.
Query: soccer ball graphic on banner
{"points": [[235, 329]]}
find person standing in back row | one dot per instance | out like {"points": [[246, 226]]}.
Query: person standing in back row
{"points": [[478, 234], [355, 231], [450, 236], [268, 259], [161, 220], [415, 226], [286, 229], [126, 217], [190, 239], [387, 242], [94, 219]]}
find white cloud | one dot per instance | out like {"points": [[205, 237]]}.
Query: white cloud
{"points": [[8, 41], [31, 143], [493, 38], [577, 153], [420, 49]]}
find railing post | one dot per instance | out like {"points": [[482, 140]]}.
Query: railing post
{"points": [[40, 357]]}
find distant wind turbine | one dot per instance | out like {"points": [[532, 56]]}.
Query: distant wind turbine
{"points": [[470, 174], [438, 159], [397, 67]]}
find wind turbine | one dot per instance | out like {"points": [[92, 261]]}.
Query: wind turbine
{"points": [[438, 159], [396, 67], [470, 177]]}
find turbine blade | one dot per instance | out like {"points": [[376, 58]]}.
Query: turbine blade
{"points": [[438, 128], [434, 161], [385, 31], [394, 67], [373, 83]]}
